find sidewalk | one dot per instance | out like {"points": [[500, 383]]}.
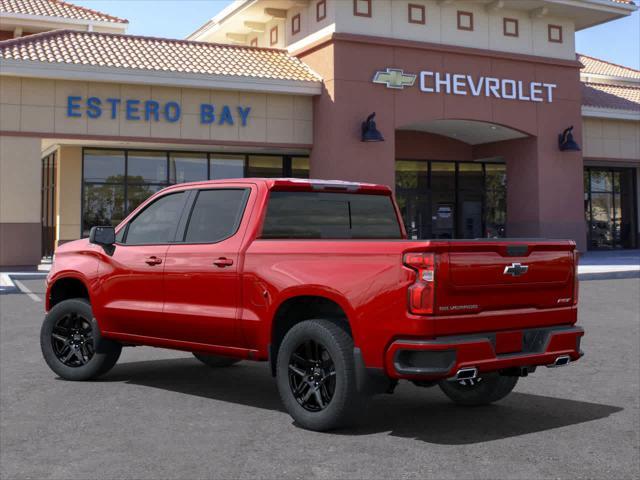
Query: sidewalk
{"points": [[609, 264]]}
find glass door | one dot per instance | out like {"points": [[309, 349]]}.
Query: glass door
{"points": [[47, 205], [610, 208]]}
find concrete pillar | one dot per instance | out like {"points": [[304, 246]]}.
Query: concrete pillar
{"points": [[20, 231], [68, 194]]}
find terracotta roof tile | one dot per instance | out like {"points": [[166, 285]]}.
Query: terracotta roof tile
{"points": [[602, 67], [611, 96], [158, 54], [56, 8]]}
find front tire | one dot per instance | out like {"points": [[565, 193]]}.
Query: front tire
{"points": [[488, 388], [316, 376], [215, 361], [71, 342]]}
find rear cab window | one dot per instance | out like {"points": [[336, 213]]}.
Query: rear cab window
{"points": [[216, 215], [329, 215]]}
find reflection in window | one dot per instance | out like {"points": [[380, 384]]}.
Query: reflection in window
{"points": [[103, 204], [495, 200], [187, 167], [226, 166], [264, 166], [147, 167], [300, 167], [115, 182], [103, 166], [157, 223]]}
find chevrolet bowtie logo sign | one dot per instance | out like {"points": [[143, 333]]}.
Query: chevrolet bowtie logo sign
{"points": [[516, 269], [394, 78]]}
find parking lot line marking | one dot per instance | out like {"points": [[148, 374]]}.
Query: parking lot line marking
{"points": [[25, 290]]}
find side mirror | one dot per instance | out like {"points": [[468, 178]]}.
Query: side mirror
{"points": [[104, 236]]}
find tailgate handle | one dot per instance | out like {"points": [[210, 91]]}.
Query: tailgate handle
{"points": [[517, 250]]}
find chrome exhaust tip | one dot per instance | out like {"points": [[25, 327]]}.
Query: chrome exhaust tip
{"points": [[467, 373], [561, 361]]}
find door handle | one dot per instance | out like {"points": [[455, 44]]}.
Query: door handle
{"points": [[153, 260], [223, 262]]}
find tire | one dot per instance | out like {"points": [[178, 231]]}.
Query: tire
{"points": [[488, 388], [315, 360], [71, 343], [216, 361]]}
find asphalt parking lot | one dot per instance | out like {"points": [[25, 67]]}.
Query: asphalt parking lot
{"points": [[161, 414]]}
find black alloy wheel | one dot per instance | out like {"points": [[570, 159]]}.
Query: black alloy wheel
{"points": [[72, 340], [72, 344], [312, 376]]}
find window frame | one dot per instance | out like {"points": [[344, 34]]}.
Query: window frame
{"points": [[513, 21], [551, 27], [420, 8], [145, 206], [367, 14], [273, 41], [296, 24], [462, 13], [183, 227], [321, 5]]}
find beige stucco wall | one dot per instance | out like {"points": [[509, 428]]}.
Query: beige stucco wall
{"points": [[35, 105], [68, 193], [20, 171], [608, 138]]}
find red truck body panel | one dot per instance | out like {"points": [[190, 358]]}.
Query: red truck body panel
{"points": [[174, 295]]}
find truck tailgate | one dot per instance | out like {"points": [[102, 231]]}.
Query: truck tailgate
{"points": [[481, 276]]}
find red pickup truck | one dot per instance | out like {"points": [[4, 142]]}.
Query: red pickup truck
{"points": [[317, 278]]}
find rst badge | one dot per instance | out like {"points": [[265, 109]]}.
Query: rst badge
{"points": [[395, 78], [516, 269]]}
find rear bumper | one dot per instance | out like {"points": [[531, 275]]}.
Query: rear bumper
{"points": [[442, 357]]}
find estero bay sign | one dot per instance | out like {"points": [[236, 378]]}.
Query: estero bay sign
{"points": [[152, 110]]}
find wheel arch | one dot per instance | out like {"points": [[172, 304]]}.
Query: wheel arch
{"points": [[303, 306], [65, 288]]}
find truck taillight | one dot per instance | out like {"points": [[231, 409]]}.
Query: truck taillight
{"points": [[421, 293], [576, 285]]}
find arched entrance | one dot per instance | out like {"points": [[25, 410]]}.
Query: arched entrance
{"points": [[449, 184]]}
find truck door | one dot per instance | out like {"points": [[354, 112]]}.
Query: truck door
{"points": [[202, 268], [131, 293]]}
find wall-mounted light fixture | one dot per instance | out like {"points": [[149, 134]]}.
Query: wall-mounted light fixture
{"points": [[370, 132], [566, 143]]}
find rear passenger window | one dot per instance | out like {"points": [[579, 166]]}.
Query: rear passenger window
{"points": [[330, 215], [216, 215], [157, 223]]}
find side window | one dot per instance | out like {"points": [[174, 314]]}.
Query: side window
{"points": [[216, 215], [157, 223]]}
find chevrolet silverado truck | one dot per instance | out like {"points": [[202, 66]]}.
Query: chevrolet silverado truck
{"points": [[319, 279]]}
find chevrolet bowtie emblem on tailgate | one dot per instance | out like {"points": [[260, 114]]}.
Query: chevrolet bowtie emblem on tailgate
{"points": [[395, 78], [516, 269]]}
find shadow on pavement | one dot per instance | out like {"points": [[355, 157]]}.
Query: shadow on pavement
{"points": [[404, 415]]}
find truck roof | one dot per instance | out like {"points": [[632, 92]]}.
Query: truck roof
{"points": [[300, 184]]}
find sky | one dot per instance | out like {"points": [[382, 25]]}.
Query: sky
{"points": [[617, 42]]}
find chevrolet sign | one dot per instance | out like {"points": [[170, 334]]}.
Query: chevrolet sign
{"points": [[395, 78]]}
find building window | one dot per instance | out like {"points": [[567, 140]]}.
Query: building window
{"points": [[114, 182], [417, 14], [273, 35], [295, 24], [321, 10], [555, 33], [510, 27], [465, 20], [254, 42], [362, 8]]}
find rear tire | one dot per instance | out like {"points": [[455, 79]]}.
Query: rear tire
{"points": [[316, 376], [71, 343], [216, 361], [488, 388]]}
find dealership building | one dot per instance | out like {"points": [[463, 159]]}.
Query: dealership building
{"points": [[487, 122]]}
